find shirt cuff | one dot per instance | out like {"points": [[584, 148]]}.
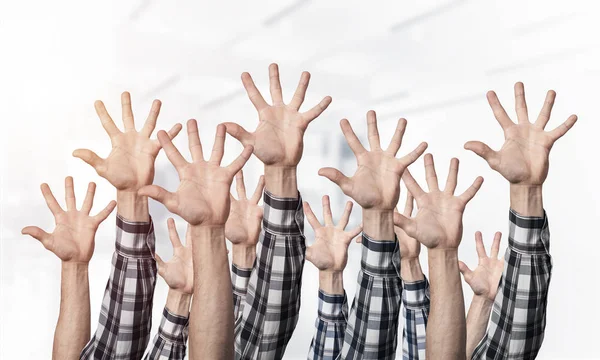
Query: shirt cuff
{"points": [[283, 216], [528, 235], [174, 328], [239, 279], [416, 294], [378, 257], [135, 239], [332, 307]]}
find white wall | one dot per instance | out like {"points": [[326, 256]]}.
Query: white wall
{"points": [[429, 62]]}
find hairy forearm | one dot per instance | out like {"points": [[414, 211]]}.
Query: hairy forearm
{"points": [[331, 282], [281, 181], [410, 270], [73, 327], [132, 207], [446, 331], [243, 256], [527, 200], [212, 302], [477, 321], [379, 224]]}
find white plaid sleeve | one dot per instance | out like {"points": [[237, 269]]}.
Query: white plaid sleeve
{"points": [[239, 281], [170, 341], [416, 301], [330, 327]]}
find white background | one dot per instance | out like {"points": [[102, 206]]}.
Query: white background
{"points": [[430, 62]]}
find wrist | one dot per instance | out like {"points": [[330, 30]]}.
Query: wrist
{"points": [[178, 302], [442, 257], [132, 206], [75, 266], [331, 282], [526, 200], [210, 233], [480, 304], [281, 181], [379, 224], [243, 256], [410, 270]]}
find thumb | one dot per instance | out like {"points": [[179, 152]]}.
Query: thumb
{"points": [[91, 158], [408, 225], [336, 176], [464, 269], [484, 151], [160, 264], [168, 199], [36, 233], [238, 132]]}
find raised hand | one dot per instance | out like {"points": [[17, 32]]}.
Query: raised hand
{"points": [[523, 159], [73, 237], [329, 252], [410, 248], [376, 182], [278, 138], [202, 197], [178, 272], [484, 280], [245, 215], [438, 223], [130, 164]]}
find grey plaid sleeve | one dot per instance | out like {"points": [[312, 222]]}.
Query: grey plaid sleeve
{"points": [[239, 281], [272, 304], [169, 342], [372, 330], [518, 320], [126, 315], [330, 327], [415, 298]]}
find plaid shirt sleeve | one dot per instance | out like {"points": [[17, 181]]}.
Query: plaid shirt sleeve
{"points": [[126, 315], [169, 342], [372, 330], [272, 304], [239, 281], [330, 327], [415, 297], [518, 321]]}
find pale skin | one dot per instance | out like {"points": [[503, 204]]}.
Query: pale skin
{"points": [[376, 183], [329, 252], [243, 225], [438, 226], [72, 241], [203, 200], [484, 281], [278, 140]]}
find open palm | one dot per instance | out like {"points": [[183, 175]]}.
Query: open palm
{"points": [[329, 252], [376, 182], [523, 159], [278, 138], [178, 272], [438, 223], [410, 248], [130, 164], [203, 193], [484, 280], [245, 215], [73, 237]]}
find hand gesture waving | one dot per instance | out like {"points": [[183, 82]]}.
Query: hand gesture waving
{"points": [[202, 197], [330, 249], [410, 248], [484, 280], [278, 138], [438, 224], [523, 159], [178, 272], [245, 215], [376, 182], [73, 237], [130, 164]]}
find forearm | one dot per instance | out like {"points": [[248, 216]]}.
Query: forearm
{"points": [[446, 335], [178, 303], [132, 207], [73, 327], [410, 270], [281, 181], [331, 282], [527, 200], [477, 321], [212, 301], [243, 256], [379, 224]]}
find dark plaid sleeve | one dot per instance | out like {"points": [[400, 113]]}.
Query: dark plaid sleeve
{"points": [[518, 321], [330, 327], [126, 315], [415, 298], [372, 330], [272, 304], [239, 281], [169, 342]]}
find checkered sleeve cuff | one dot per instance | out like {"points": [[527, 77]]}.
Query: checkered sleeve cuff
{"points": [[416, 294], [239, 279], [174, 328], [283, 216], [378, 257], [135, 239], [528, 235], [333, 308]]}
